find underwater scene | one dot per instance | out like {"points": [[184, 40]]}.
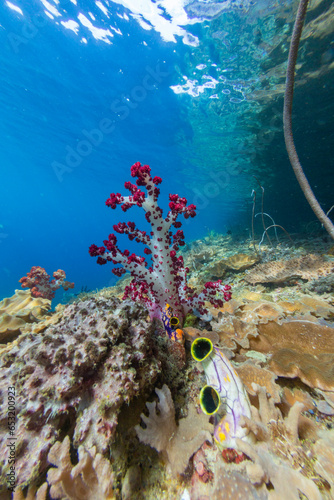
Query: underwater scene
{"points": [[167, 249]]}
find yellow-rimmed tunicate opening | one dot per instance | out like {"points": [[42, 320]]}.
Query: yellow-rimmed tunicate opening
{"points": [[174, 321], [201, 348], [209, 400]]}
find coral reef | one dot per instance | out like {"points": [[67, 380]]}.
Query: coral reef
{"points": [[324, 284], [165, 281], [41, 285], [241, 261], [299, 349], [272, 459], [250, 374]]}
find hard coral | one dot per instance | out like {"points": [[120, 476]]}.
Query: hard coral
{"points": [[78, 372], [39, 282], [241, 261], [315, 370], [177, 442], [299, 349], [19, 310], [307, 267], [165, 282], [250, 374], [277, 452]]}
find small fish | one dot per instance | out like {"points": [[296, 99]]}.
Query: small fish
{"points": [[170, 323]]}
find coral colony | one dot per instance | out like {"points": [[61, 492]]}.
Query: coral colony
{"points": [[40, 285], [224, 391], [165, 281]]}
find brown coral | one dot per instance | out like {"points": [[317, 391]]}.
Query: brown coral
{"points": [[314, 370], [216, 269], [299, 349], [303, 336]]}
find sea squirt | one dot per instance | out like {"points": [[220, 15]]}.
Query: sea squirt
{"points": [[224, 396]]}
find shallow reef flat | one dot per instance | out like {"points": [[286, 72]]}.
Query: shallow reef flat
{"points": [[107, 406]]}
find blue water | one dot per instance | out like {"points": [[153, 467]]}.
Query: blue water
{"points": [[192, 88]]}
